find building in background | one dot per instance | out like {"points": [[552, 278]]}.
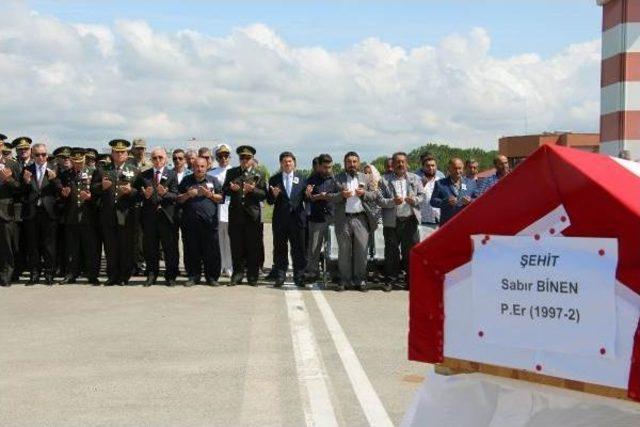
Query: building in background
{"points": [[517, 148]]}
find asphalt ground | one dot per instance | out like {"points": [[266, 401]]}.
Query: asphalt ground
{"points": [[78, 355]]}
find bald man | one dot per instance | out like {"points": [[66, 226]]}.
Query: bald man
{"points": [[453, 193]]}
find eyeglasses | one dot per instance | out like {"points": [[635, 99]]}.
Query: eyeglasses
{"points": [[40, 155], [176, 158], [157, 158], [222, 155]]}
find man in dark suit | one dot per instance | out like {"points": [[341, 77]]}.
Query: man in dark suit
{"points": [[158, 189], [41, 190], [246, 188], [200, 195], [22, 145], [79, 212], [453, 193], [286, 193], [61, 163], [113, 185], [9, 189]]}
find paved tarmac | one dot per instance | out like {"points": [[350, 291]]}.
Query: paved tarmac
{"points": [[227, 356]]}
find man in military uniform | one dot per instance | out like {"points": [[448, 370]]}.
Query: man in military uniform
{"points": [[90, 157], [139, 160], [80, 214], [246, 188], [158, 189], [22, 145], [112, 184], [62, 163], [41, 189], [9, 188]]}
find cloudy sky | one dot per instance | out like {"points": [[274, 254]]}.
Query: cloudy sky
{"points": [[306, 76]]}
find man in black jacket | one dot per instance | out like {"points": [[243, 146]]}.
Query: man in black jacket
{"points": [[113, 185], [157, 189], [79, 212], [286, 193], [40, 188], [246, 188], [9, 189]]}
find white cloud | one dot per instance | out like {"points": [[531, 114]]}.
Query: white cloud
{"points": [[86, 84]]}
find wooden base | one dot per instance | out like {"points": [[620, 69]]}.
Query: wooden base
{"points": [[452, 366]]}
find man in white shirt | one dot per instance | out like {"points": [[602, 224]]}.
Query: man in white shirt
{"points": [[223, 157], [430, 215]]}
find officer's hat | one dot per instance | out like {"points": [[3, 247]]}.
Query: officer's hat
{"points": [[91, 153], [246, 150], [6, 147], [139, 143], [119, 144], [77, 154], [21, 142], [63, 151], [3, 137], [223, 148]]}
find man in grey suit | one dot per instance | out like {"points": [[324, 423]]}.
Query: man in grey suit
{"points": [[401, 194], [353, 221]]}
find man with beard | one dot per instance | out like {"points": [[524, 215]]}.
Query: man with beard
{"points": [[354, 221], [158, 189], [199, 196], [321, 213], [112, 184], [80, 216], [246, 188], [9, 188], [430, 215]]}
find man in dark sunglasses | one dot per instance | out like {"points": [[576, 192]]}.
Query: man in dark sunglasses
{"points": [[223, 153]]}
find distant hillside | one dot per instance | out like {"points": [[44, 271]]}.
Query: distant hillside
{"points": [[443, 153]]}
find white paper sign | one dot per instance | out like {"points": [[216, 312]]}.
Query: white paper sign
{"points": [[546, 293]]}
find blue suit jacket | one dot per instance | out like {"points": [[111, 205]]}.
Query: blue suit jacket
{"points": [[285, 208], [444, 189]]}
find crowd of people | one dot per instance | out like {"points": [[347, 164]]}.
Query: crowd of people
{"points": [[60, 211]]}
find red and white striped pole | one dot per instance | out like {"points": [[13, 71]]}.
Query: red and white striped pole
{"points": [[620, 78]]}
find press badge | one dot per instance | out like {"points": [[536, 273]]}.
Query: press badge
{"points": [[464, 187], [209, 185], [296, 180]]}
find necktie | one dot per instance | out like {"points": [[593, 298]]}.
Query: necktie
{"points": [[157, 177], [40, 176], [288, 185]]}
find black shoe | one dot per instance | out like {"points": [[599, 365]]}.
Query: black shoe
{"points": [[212, 282], [311, 278], [170, 282], [48, 280], [362, 286], [236, 279], [272, 276], [68, 280], [340, 287], [33, 280], [151, 280], [5, 284], [279, 282], [386, 287], [111, 282], [189, 283], [93, 281], [253, 281]]}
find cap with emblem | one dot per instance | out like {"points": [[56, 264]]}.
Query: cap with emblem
{"points": [[104, 159], [91, 153], [245, 150], [63, 151], [22, 143], [6, 148], [77, 154], [139, 143], [223, 148], [119, 144]]}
